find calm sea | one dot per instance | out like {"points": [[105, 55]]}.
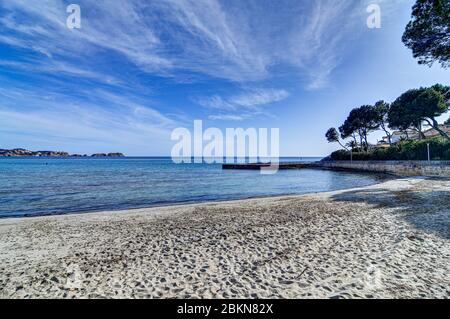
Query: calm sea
{"points": [[42, 186]]}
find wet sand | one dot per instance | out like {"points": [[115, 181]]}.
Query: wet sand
{"points": [[390, 240]]}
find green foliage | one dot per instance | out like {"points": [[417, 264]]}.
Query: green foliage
{"points": [[405, 150], [332, 135], [444, 90], [402, 115], [431, 102], [352, 145], [361, 121], [340, 155], [369, 119], [347, 129], [419, 105], [409, 111], [428, 33], [382, 112], [446, 155], [382, 109]]}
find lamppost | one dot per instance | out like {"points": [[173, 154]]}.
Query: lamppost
{"points": [[428, 151]]}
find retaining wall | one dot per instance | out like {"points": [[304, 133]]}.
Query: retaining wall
{"points": [[402, 168]]}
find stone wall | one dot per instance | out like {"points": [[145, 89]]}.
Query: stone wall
{"points": [[402, 168]]}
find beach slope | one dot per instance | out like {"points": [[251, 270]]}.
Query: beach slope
{"points": [[390, 240]]}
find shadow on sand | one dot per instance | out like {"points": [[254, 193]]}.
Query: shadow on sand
{"points": [[427, 210]]}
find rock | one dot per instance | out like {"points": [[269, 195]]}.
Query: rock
{"points": [[51, 154], [108, 155], [115, 155], [20, 152]]}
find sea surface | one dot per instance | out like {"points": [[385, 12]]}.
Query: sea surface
{"points": [[45, 186]]}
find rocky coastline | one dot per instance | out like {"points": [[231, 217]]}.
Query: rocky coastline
{"points": [[20, 152]]}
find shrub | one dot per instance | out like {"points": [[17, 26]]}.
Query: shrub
{"points": [[340, 155], [404, 150], [446, 155]]}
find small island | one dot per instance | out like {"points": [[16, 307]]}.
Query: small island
{"points": [[20, 152]]}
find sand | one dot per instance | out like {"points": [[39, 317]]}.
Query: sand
{"points": [[390, 240]]}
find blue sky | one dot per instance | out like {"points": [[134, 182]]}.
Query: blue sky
{"points": [[138, 69]]}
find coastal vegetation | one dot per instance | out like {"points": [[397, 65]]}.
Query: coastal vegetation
{"points": [[410, 124], [418, 106], [404, 150]]}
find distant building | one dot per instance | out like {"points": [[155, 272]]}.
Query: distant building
{"points": [[397, 136], [384, 141], [432, 132]]}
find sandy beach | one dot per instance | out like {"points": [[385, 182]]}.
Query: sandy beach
{"points": [[390, 240]]}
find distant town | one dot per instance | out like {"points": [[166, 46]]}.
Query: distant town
{"points": [[20, 152]]}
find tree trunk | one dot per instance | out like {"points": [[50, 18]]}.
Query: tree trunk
{"points": [[388, 134], [421, 135], [360, 138], [343, 146], [407, 135], [366, 146], [435, 125], [419, 129], [354, 139]]}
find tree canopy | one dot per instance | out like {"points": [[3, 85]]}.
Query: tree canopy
{"points": [[332, 136], [350, 126], [428, 33], [401, 117], [409, 111], [420, 105], [382, 111], [361, 121]]}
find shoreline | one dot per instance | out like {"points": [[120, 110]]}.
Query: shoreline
{"points": [[386, 177], [389, 240]]}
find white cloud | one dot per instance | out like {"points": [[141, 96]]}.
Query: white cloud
{"points": [[235, 40], [250, 99], [244, 105], [259, 97], [226, 118], [125, 120], [61, 68], [215, 102]]}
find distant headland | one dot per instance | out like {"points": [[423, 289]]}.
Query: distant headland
{"points": [[20, 152]]}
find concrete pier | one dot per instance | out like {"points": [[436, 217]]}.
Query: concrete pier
{"points": [[258, 166], [400, 168]]}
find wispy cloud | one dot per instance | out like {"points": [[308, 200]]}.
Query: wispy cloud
{"points": [[244, 105], [250, 99], [259, 97], [58, 117], [226, 118], [215, 102], [235, 40], [97, 83], [33, 66]]}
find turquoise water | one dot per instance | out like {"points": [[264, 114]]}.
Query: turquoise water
{"points": [[42, 186]]}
